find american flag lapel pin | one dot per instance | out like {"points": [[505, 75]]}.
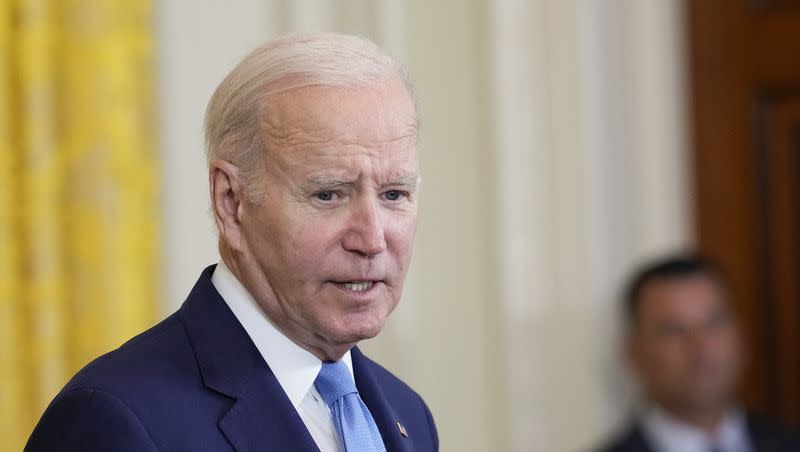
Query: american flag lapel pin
{"points": [[402, 429]]}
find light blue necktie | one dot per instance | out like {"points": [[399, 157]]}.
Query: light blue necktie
{"points": [[354, 425]]}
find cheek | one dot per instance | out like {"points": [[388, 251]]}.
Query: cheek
{"points": [[670, 357], [400, 236], [727, 350], [289, 243], [309, 243]]}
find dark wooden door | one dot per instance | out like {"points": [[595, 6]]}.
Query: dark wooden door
{"points": [[745, 92]]}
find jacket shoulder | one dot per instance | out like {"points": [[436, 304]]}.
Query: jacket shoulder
{"points": [[89, 419], [159, 353], [770, 435]]}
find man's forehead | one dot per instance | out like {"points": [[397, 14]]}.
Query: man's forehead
{"points": [[400, 166], [683, 296], [339, 156], [694, 286], [333, 154], [381, 113], [328, 141]]}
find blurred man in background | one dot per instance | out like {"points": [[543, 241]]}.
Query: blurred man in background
{"points": [[685, 348], [313, 171]]}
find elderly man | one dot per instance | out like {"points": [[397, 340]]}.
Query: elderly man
{"points": [[684, 345], [312, 152]]}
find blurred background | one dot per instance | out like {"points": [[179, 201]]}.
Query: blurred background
{"points": [[563, 142]]}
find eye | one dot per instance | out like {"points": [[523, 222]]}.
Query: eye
{"points": [[326, 195], [393, 195]]}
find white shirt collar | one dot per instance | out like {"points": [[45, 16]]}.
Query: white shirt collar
{"points": [[295, 367], [670, 434]]}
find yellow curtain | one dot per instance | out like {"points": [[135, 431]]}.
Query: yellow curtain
{"points": [[78, 185]]}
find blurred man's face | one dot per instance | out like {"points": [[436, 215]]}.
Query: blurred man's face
{"points": [[685, 346], [330, 242]]}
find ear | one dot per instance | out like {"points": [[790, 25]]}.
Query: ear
{"points": [[226, 187]]}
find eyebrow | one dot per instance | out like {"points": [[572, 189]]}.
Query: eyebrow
{"points": [[324, 182], [410, 182]]}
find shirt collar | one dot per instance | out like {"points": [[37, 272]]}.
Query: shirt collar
{"points": [[671, 434], [294, 367]]}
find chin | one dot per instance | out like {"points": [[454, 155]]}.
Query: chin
{"points": [[361, 330], [368, 331], [349, 326]]}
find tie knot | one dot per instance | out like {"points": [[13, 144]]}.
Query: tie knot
{"points": [[334, 382]]}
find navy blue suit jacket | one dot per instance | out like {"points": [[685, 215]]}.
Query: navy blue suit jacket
{"points": [[196, 382], [764, 436]]}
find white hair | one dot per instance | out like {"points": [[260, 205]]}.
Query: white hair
{"points": [[236, 111]]}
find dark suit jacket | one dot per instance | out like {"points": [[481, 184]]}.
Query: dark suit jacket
{"points": [[764, 437], [196, 382]]}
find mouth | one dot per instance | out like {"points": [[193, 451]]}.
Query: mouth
{"points": [[357, 287]]}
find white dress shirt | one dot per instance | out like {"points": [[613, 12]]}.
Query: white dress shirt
{"points": [[668, 434], [295, 367]]}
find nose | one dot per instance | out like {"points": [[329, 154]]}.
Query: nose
{"points": [[701, 342], [365, 235]]}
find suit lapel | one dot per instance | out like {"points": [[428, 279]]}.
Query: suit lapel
{"points": [[385, 417], [261, 417]]}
